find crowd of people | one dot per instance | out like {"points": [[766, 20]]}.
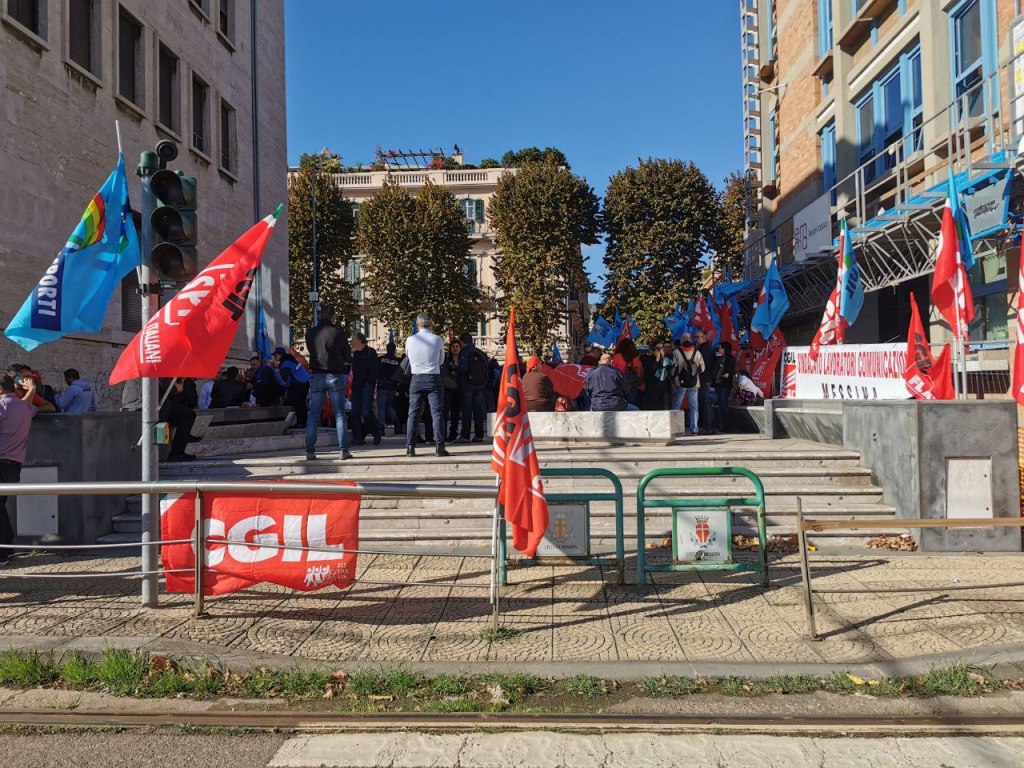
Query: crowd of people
{"points": [[436, 393]]}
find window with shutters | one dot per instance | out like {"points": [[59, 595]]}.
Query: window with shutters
{"points": [[469, 269], [228, 137], [474, 210], [30, 14], [226, 19], [354, 276], [200, 115], [170, 95], [83, 35], [131, 81]]}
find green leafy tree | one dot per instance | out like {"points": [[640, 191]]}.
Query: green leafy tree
{"points": [[542, 215], [517, 159], [335, 230], [415, 253], [661, 222], [489, 162], [734, 202]]}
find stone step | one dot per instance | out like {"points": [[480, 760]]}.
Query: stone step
{"points": [[128, 522], [482, 516]]}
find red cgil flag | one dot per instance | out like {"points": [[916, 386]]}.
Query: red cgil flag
{"points": [[190, 336], [833, 327], [728, 329], [514, 456], [926, 378], [951, 291], [702, 319], [1018, 352]]}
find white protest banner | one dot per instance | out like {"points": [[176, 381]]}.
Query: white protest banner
{"points": [[846, 372]]}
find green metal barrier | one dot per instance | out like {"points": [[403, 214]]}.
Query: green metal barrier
{"points": [[643, 503], [616, 496]]}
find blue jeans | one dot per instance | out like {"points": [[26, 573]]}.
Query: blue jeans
{"points": [[321, 386], [363, 419], [723, 391], [386, 407], [474, 406], [429, 386], [689, 394]]}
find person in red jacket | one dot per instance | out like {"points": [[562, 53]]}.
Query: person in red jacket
{"points": [[627, 362]]}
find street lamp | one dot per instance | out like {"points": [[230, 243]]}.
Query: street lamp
{"points": [[314, 282]]}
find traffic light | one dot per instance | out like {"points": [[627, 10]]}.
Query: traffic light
{"points": [[174, 226]]}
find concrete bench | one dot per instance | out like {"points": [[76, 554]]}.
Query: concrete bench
{"points": [[236, 423], [609, 426]]}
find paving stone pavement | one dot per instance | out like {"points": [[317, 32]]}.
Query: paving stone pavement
{"points": [[563, 615], [562, 750]]}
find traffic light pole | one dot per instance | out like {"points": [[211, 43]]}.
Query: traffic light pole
{"points": [[150, 404]]}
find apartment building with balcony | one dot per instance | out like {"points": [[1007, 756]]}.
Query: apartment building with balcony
{"points": [[205, 74], [861, 109], [473, 188]]}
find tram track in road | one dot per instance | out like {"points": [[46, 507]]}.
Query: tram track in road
{"points": [[325, 722]]}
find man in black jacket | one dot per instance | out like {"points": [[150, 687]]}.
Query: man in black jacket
{"points": [[707, 382], [229, 393], [329, 360], [387, 387], [365, 371]]}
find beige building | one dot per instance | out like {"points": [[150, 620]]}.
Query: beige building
{"points": [[860, 109], [473, 188], [191, 71]]}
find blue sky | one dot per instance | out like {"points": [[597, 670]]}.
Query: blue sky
{"points": [[605, 81]]}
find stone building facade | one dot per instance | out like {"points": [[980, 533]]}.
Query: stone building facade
{"points": [[861, 109], [473, 188], [180, 70]]}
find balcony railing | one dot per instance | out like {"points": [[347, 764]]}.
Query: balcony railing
{"points": [[471, 177]]}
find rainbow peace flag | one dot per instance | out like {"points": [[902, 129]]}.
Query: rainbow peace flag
{"points": [[73, 294]]}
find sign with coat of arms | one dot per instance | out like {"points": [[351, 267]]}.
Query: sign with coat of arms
{"points": [[568, 533], [702, 535]]}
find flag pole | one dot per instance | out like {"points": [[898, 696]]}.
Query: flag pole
{"points": [[117, 130], [961, 328]]}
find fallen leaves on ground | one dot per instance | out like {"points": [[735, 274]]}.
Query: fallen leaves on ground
{"points": [[902, 543]]}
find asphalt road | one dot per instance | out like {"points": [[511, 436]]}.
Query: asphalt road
{"points": [[137, 747]]}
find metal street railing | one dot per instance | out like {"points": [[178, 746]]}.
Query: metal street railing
{"points": [[202, 487]]}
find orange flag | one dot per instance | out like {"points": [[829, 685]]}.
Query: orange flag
{"points": [[514, 456]]}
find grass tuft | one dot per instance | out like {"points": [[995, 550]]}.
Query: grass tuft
{"points": [[447, 686], [499, 635], [123, 672], [516, 686], [78, 671], [584, 685], [26, 670], [956, 679]]}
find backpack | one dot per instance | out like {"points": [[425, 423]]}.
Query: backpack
{"points": [[478, 369], [688, 372]]}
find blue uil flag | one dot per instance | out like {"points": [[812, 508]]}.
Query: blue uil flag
{"points": [[74, 292]]}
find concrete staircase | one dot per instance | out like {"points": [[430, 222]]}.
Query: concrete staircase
{"points": [[829, 482]]}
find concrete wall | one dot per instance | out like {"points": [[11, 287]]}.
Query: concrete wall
{"points": [[57, 145], [907, 445], [85, 447]]}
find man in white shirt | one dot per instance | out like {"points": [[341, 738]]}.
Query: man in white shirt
{"points": [[206, 391], [425, 353]]}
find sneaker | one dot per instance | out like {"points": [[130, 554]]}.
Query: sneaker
{"points": [[310, 457], [410, 451], [345, 455], [441, 452], [377, 438]]}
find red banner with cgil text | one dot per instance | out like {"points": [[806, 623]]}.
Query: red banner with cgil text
{"points": [[235, 527]]}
